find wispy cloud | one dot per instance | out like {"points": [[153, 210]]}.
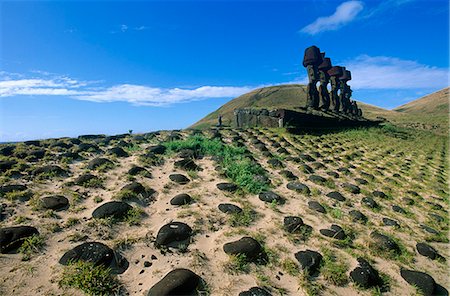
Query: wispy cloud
{"points": [[131, 93], [345, 13], [383, 72], [126, 28]]}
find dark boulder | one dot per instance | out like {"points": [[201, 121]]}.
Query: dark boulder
{"points": [[379, 194], [11, 188], [289, 175], [229, 187], [351, 188], [87, 147], [369, 202], [118, 152], [316, 179], [7, 150], [390, 222], [97, 162], [186, 164], [6, 165], [358, 216], [306, 157], [428, 251], [157, 149], [335, 231], [333, 174], [365, 275], [336, 196], [306, 168], [422, 281], [181, 199], [292, 223], [384, 243], [309, 260], [173, 234], [179, 281], [84, 179], [429, 229], [270, 196], [53, 170], [408, 201], [137, 170], [298, 187], [229, 208], [361, 181], [179, 178], [255, 291], [55, 202], [247, 246], [275, 163], [98, 254], [398, 209], [11, 238], [113, 209], [316, 206]]}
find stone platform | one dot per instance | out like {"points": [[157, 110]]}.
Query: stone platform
{"points": [[298, 118]]}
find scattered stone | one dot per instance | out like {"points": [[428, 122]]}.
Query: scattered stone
{"points": [[316, 179], [336, 195], [179, 281], [173, 234], [384, 242], [181, 199], [309, 260], [275, 163], [398, 209], [12, 188], [292, 223], [298, 187], [113, 209], [333, 174], [351, 188], [11, 238], [84, 179], [53, 170], [262, 179], [424, 282], [229, 187], [408, 201], [358, 216], [55, 202], [255, 291], [186, 164], [118, 152], [361, 181], [306, 157], [158, 149], [97, 162], [429, 229], [379, 194], [365, 275], [390, 222], [335, 231], [428, 251], [247, 246], [270, 197], [437, 218], [316, 206], [289, 175], [7, 150], [306, 168], [369, 202], [179, 178], [6, 165], [229, 208], [137, 170], [94, 252]]}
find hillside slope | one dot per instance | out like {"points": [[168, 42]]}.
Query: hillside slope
{"points": [[429, 112], [289, 96]]}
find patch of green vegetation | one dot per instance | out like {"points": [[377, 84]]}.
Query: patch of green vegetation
{"points": [[244, 218], [21, 219], [237, 264], [31, 245], [133, 148], [18, 195], [98, 199], [310, 285], [234, 161], [105, 167], [333, 268], [89, 278], [93, 183], [290, 267], [71, 221], [134, 216]]}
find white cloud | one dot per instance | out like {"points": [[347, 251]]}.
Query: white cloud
{"points": [[150, 96], [345, 13], [382, 72], [135, 94], [123, 28]]}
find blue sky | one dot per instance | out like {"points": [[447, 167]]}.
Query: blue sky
{"points": [[81, 67]]}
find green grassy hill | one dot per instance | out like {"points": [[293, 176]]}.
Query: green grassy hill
{"points": [[430, 112]]}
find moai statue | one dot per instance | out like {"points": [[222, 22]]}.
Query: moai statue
{"points": [[324, 96], [335, 72], [345, 90], [311, 60], [354, 108]]}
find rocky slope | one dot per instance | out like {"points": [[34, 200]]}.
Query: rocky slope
{"points": [[225, 212]]}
